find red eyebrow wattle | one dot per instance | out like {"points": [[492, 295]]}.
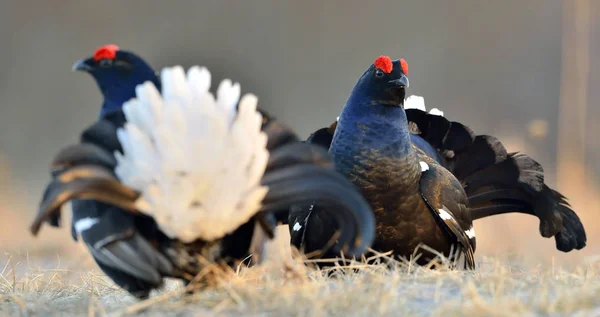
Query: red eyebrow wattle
{"points": [[384, 63], [107, 51], [404, 66]]}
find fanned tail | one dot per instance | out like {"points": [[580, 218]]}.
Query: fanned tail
{"points": [[497, 182]]}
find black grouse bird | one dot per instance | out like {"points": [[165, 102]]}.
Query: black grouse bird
{"points": [[427, 178], [177, 174]]}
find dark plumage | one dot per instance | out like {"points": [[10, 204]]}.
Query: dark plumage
{"points": [[116, 72], [129, 246], [378, 145], [498, 182]]}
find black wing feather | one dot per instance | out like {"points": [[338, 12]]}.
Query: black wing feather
{"points": [[482, 164], [448, 202]]}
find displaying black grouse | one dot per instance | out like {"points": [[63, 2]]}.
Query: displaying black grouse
{"points": [[427, 178], [175, 174]]}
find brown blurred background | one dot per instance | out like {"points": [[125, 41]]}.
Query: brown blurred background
{"points": [[522, 70]]}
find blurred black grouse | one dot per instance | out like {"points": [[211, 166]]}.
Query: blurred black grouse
{"points": [[129, 244], [427, 178]]}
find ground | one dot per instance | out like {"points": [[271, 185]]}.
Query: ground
{"points": [[287, 288], [519, 274]]}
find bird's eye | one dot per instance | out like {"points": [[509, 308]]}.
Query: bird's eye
{"points": [[123, 65], [378, 73], [106, 62]]}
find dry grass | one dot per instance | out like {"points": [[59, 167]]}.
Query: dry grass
{"points": [[504, 285], [288, 288], [519, 279]]}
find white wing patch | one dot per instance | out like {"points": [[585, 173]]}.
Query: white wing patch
{"points": [[84, 224], [444, 214], [470, 233], [297, 226], [196, 160], [424, 166]]}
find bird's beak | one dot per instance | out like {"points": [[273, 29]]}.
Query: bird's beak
{"points": [[400, 82], [83, 65]]}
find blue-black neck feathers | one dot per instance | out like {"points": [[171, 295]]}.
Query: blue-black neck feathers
{"points": [[117, 77], [373, 129]]}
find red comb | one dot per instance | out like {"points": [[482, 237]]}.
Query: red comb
{"points": [[384, 63], [107, 51], [404, 66]]}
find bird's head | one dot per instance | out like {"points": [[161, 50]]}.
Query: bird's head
{"points": [[383, 83], [117, 74]]}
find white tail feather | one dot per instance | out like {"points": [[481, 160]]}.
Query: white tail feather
{"points": [[436, 112], [196, 164], [415, 102], [418, 102]]}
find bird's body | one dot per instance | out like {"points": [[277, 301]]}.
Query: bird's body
{"points": [[427, 178], [177, 177], [369, 161], [373, 148], [119, 241]]}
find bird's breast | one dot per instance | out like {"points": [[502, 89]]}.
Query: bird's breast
{"points": [[387, 175], [388, 182]]}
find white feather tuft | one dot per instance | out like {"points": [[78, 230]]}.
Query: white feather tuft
{"points": [[436, 112], [297, 226], [195, 162], [415, 102], [85, 224], [418, 102], [470, 233]]}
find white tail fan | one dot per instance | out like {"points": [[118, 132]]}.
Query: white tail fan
{"points": [[418, 102], [197, 164]]}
